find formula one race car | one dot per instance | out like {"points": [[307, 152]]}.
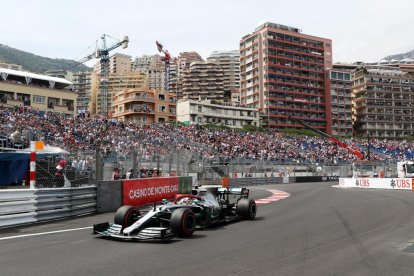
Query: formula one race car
{"points": [[181, 216]]}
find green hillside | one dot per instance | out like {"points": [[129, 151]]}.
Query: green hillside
{"points": [[38, 64]]}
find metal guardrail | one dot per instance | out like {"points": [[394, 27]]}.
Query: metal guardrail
{"points": [[19, 207], [248, 181], [65, 202]]}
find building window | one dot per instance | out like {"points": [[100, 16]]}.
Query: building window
{"points": [[200, 109], [161, 108], [39, 99]]}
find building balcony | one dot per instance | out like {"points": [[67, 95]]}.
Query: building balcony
{"points": [[300, 76], [297, 51], [133, 98], [296, 42]]}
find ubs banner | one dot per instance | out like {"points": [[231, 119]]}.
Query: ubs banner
{"points": [[138, 192], [378, 183]]}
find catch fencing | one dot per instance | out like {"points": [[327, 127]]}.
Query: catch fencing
{"points": [[184, 163], [72, 175]]}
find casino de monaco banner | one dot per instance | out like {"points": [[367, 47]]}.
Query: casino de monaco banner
{"points": [[137, 192], [377, 183]]}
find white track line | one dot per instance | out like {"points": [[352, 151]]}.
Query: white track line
{"points": [[44, 233]]}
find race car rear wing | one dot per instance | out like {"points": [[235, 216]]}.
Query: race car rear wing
{"points": [[242, 192]]}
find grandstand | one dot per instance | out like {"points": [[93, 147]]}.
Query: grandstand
{"points": [[202, 150]]}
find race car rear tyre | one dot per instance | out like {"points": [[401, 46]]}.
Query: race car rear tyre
{"points": [[246, 208], [183, 222], [126, 216]]}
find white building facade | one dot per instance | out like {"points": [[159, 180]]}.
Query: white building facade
{"points": [[210, 112]]}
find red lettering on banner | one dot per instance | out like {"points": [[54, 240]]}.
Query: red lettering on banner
{"points": [[364, 183], [137, 192], [403, 183]]}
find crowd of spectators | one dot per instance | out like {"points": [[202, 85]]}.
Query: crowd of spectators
{"points": [[84, 134]]}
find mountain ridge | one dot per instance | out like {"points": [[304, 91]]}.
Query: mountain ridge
{"points": [[401, 56], [38, 64]]}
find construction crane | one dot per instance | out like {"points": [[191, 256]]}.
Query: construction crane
{"points": [[358, 154], [102, 53], [166, 59]]}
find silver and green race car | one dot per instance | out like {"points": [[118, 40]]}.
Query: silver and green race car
{"points": [[181, 216]]}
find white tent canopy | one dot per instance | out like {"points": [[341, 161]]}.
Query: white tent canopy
{"points": [[28, 75], [48, 150]]}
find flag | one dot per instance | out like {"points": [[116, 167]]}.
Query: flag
{"points": [[159, 46]]}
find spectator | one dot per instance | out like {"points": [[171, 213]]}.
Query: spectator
{"points": [[60, 177], [90, 134], [116, 174], [130, 174]]}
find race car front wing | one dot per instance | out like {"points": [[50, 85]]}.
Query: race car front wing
{"points": [[113, 230]]}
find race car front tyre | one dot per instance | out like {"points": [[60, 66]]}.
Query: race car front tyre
{"points": [[246, 208], [126, 216], [183, 222]]}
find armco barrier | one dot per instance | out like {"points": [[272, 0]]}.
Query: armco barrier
{"points": [[250, 181], [65, 202], [23, 206], [17, 207], [318, 178]]}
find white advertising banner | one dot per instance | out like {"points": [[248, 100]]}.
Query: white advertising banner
{"points": [[377, 183]]}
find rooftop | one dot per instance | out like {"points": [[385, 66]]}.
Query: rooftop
{"points": [[33, 76]]}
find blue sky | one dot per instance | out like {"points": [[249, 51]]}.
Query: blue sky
{"points": [[360, 30]]}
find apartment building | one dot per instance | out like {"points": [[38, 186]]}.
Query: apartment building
{"points": [[235, 96], [173, 76], [154, 67], [283, 73], [382, 99], [202, 80], [46, 93], [64, 74], [186, 58], [142, 63], [211, 112], [83, 84], [229, 62], [144, 106], [118, 64], [156, 79], [7, 65], [116, 83], [178, 66], [341, 100]]}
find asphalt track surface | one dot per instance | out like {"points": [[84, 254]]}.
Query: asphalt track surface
{"points": [[318, 230]]}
